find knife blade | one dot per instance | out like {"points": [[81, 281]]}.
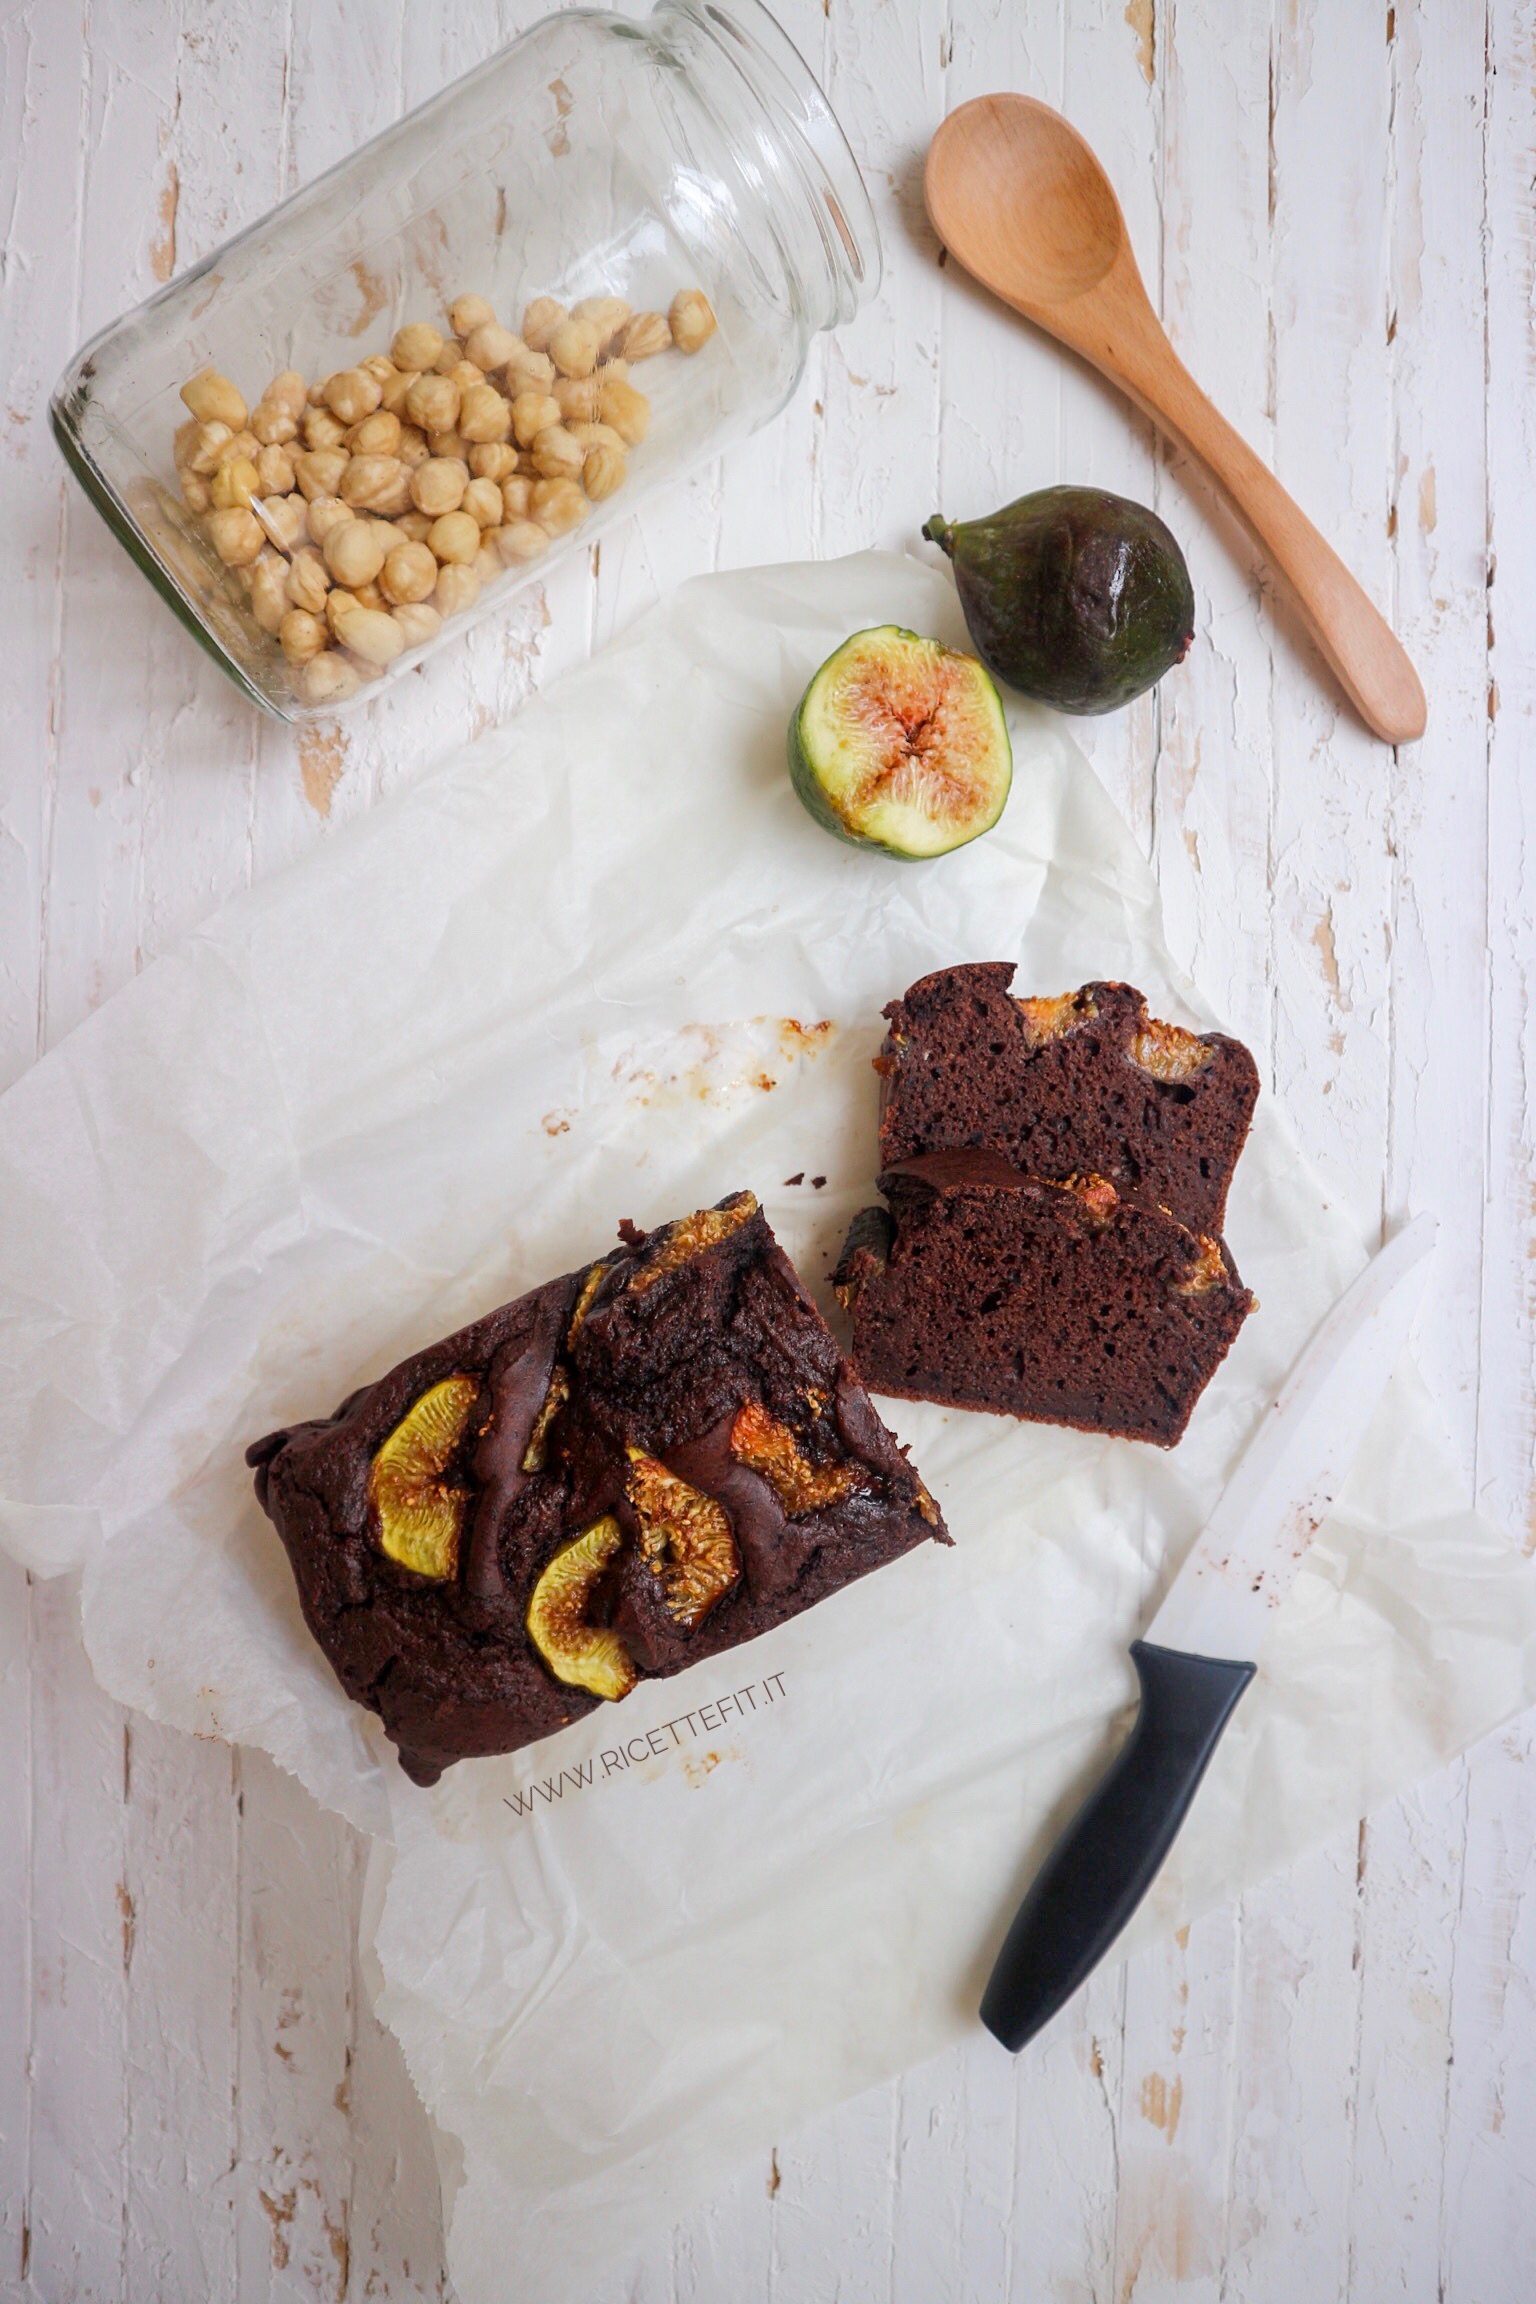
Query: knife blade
{"points": [[1201, 1649]]}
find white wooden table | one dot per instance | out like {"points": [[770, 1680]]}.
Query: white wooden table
{"points": [[1329, 2090]]}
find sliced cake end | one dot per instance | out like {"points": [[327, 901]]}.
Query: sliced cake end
{"points": [[1066, 1303], [1084, 1082]]}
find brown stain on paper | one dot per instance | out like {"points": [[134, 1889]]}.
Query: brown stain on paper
{"points": [[799, 1039], [701, 1080]]}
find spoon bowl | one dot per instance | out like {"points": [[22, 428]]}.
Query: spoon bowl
{"points": [[1060, 241], [1020, 200]]}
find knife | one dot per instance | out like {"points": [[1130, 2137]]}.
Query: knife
{"points": [[1200, 1650]]}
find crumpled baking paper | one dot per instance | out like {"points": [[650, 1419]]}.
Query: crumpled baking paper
{"points": [[603, 965]]}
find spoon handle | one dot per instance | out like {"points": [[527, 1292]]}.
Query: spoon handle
{"points": [[1371, 663]]}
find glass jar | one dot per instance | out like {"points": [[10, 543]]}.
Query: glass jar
{"points": [[596, 157]]}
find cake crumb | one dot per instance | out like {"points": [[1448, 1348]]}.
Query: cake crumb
{"points": [[797, 1178], [817, 1183]]}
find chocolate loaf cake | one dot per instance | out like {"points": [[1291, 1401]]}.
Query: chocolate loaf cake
{"points": [[1087, 1084], [1067, 1303], [647, 1461]]}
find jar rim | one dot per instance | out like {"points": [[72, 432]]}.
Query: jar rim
{"points": [[763, 52]]}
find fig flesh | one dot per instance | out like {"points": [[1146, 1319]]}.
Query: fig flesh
{"points": [[582, 1654], [770, 1449], [690, 1236], [900, 743], [417, 1513], [686, 1540]]}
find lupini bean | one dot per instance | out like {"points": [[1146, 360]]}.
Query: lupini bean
{"points": [[356, 512]]}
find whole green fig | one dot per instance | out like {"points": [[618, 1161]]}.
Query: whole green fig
{"points": [[1076, 597]]}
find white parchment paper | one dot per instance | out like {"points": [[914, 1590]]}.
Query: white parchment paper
{"points": [[603, 965]]}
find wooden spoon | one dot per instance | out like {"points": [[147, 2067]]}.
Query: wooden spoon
{"points": [[1018, 197]]}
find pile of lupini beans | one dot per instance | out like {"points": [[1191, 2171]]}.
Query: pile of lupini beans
{"points": [[355, 514]]}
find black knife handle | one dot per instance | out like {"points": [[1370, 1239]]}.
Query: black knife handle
{"points": [[1112, 1851]]}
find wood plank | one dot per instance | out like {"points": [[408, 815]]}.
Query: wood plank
{"points": [[768, 489], [1330, 113], [1488, 2220], [394, 2214], [1213, 798], [41, 186], [1068, 2091], [1412, 1856], [298, 1894], [177, 1908], [727, 2248], [1488, 2214], [76, 2196], [833, 2214], [1176, 2115], [154, 747], [1295, 2102], [42, 99], [955, 2154], [16, 1893], [877, 466], [1119, 103], [1334, 447], [1195, 188]]}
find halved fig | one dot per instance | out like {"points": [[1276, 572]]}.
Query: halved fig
{"points": [[768, 1447], [582, 1654], [418, 1514], [686, 1540], [900, 743]]}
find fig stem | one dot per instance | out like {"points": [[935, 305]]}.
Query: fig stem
{"points": [[938, 531]]}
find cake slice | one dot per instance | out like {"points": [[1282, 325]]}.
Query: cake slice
{"points": [[1084, 1084], [645, 1462], [1067, 1303]]}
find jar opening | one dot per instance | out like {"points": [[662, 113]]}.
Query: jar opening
{"points": [[781, 81]]}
